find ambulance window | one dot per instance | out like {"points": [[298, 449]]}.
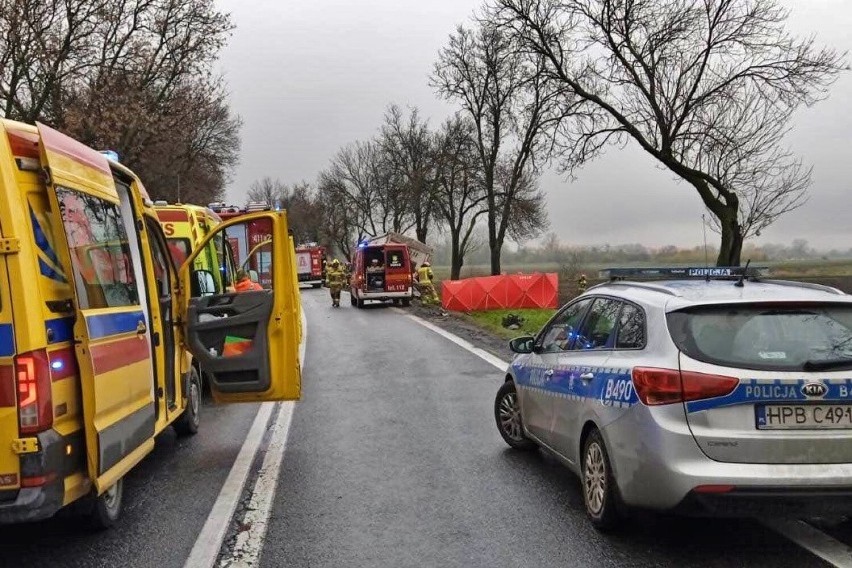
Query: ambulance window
{"points": [[179, 249], [100, 254], [161, 263]]}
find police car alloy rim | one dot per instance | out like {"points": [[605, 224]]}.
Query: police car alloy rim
{"points": [[510, 416], [594, 478]]}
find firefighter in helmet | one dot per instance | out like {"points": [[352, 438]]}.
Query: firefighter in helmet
{"points": [[582, 283], [425, 278], [335, 278]]}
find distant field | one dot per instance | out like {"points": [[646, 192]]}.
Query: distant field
{"points": [[836, 273], [809, 267]]}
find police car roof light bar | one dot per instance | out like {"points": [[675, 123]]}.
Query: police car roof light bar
{"points": [[718, 272]]}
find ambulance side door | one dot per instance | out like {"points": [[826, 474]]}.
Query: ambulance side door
{"points": [[247, 342], [112, 331]]}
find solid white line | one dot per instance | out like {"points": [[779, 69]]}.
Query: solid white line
{"points": [[813, 540], [481, 353], [209, 542], [808, 537], [249, 545]]}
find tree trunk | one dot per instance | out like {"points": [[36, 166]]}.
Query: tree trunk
{"points": [[731, 246], [496, 251], [421, 233], [456, 258]]}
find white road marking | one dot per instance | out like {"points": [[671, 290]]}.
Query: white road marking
{"points": [[206, 548], [813, 540], [464, 344], [249, 545], [807, 536]]}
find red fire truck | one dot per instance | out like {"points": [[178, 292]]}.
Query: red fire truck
{"points": [[250, 243], [310, 264]]}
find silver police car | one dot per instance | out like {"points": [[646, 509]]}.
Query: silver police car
{"points": [[727, 397]]}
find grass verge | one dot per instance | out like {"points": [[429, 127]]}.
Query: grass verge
{"points": [[492, 321]]}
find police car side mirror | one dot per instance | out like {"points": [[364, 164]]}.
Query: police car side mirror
{"points": [[522, 344], [202, 283]]}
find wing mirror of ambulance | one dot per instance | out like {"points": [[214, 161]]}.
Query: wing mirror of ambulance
{"points": [[202, 283], [246, 341]]}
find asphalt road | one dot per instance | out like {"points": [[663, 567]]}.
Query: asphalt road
{"points": [[392, 460], [166, 500]]}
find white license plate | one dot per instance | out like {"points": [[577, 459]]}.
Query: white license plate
{"points": [[803, 416]]}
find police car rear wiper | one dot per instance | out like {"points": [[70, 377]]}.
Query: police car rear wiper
{"points": [[826, 364]]}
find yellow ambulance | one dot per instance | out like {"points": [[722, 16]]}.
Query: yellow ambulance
{"points": [[102, 335], [185, 227]]}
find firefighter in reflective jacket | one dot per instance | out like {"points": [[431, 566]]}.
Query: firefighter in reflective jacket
{"points": [[335, 278], [582, 284], [428, 295]]}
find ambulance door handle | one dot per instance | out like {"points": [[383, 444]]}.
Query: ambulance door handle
{"points": [[586, 377], [141, 328]]}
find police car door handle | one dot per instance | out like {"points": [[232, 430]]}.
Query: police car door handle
{"points": [[586, 377], [548, 373]]}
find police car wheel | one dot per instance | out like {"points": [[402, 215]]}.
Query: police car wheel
{"points": [[599, 489], [507, 413], [106, 508], [188, 422]]}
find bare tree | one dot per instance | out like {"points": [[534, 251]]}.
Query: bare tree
{"points": [[707, 87], [129, 75], [268, 190], [460, 193], [406, 143], [365, 184], [512, 105], [337, 216]]}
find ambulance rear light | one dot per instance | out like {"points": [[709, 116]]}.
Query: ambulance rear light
{"points": [[666, 386], [32, 379]]}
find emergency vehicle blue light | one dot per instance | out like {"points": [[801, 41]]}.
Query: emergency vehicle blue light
{"points": [[56, 365], [111, 154], [362, 245]]}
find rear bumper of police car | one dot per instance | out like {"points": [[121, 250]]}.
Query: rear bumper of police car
{"points": [[658, 465]]}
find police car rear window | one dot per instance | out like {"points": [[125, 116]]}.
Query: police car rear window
{"points": [[783, 337]]}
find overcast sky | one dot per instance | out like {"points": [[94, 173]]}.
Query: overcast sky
{"points": [[309, 76]]}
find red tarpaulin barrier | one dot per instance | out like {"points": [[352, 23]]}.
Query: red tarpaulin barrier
{"points": [[509, 291]]}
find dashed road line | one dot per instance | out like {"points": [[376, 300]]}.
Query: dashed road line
{"points": [[206, 549], [807, 536]]}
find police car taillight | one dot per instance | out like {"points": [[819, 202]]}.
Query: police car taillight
{"points": [[666, 386], [32, 379]]}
